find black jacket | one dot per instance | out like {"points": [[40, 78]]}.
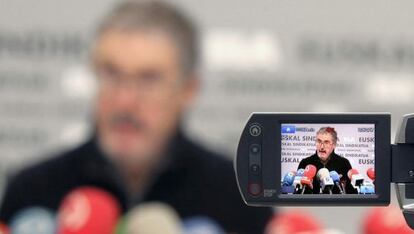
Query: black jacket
{"points": [[195, 182], [335, 163]]}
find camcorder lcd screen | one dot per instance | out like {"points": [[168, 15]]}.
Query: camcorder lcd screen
{"points": [[327, 158]]}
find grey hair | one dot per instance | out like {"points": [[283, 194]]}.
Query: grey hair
{"points": [[160, 16], [331, 131]]}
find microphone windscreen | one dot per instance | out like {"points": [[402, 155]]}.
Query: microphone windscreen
{"points": [[323, 173], [3, 228], [371, 173], [153, 218], [310, 171], [201, 225], [300, 172], [352, 172], [288, 178], [293, 222], [385, 220], [88, 210], [335, 176], [34, 220]]}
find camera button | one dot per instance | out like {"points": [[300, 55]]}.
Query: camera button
{"points": [[255, 189], [255, 169], [255, 149], [255, 130]]}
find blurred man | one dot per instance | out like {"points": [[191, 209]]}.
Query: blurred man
{"points": [[145, 60], [325, 157]]}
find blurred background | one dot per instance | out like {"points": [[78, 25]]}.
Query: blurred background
{"points": [[271, 56]]}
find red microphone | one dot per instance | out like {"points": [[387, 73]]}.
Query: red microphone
{"points": [[310, 171], [307, 179], [385, 220], [352, 172], [4, 229], [291, 222], [371, 173], [88, 210]]}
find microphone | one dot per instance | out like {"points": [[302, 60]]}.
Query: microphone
{"points": [[307, 179], [34, 220], [201, 225], [371, 173], [337, 180], [300, 172], [296, 180], [325, 180], [154, 218], [287, 183], [88, 210], [295, 221], [356, 179], [3, 228], [288, 178], [385, 220], [310, 171]]}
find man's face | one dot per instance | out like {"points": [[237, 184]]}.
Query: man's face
{"points": [[142, 93], [324, 145]]}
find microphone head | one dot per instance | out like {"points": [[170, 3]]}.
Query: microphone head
{"points": [[310, 171], [300, 172], [201, 225], [323, 173], [385, 220], [3, 228], [289, 177], [153, 218], [88, 210], [352, 172], [35, 220], [296, 221], [371, 173], [335, 176]]}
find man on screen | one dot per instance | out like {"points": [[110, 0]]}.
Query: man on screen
{"points": [[325, 157], [145, 60]]}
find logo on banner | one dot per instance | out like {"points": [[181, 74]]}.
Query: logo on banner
{"points": [[305, 129], [288, 129]]}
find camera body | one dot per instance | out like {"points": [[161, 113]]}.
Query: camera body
{"points": [[273, 145], [326, 159]]}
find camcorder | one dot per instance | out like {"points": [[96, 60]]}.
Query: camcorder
{"points": [[326, 159]]}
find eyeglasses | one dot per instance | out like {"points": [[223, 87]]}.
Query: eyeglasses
{"points": [[147, 84], [324, 143]]}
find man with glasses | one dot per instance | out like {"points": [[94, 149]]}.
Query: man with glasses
{"points": [[325, 157], [145, 61]]}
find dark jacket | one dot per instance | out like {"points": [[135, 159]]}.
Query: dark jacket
{"points": [[195, 182], [335, 163]]}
